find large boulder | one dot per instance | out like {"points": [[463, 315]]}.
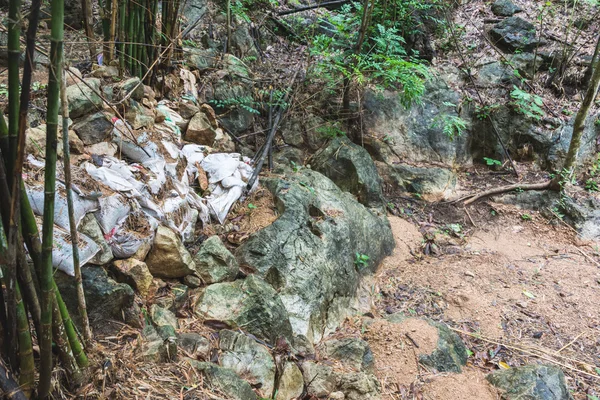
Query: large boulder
{"points": [[214, 262], [250, 304], [515, 34], [531, 382], [352, 169], [249, 359], [352, 352], [93, 128], [83, 98], [403, 140], [308, 255], [135, 273], [505, 8], [105, 298], [168, 257], [322, 381]]}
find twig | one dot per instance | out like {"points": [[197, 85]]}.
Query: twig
{"points": [[509, 188], [469, 215], [411, 339], [588, 257], [570, 343]]}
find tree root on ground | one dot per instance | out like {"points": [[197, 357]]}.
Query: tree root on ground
{"points": [[548, 185]]}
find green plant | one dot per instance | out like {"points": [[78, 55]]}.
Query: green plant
{"points": [[491, 162], [526, 217], [453, 126], [527, 104], [295, 167], [246, 103], [361, 260], [483, 112], [591, 185], [330, 131], [519, 190], [252, 206]]}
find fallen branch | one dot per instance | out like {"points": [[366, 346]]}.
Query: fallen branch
{"points": [[509, 188], [328, 3]]}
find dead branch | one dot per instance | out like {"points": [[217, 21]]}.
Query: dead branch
{"points": [[509, 188]]}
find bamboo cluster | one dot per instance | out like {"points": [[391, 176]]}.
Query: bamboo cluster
{"points": [[30, 305]]}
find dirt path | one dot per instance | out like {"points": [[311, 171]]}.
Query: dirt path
{"points": [[518, 282]]}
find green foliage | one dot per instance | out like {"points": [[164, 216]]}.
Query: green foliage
{"points": [[526, 217], [252, 206], [295, 167], [491, 162], [361, 260], [331, 131], [382, 61], [453, 126], [591, 185], [483, 112], [244, 102], [527, 104]]}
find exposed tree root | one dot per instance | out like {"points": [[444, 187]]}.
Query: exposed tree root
{"points": [[548, 185]]}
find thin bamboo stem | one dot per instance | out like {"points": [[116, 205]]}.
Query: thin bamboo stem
{"points": [[87, 331], [26, 362]]}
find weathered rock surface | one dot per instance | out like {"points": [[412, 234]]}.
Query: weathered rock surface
{"points": [[131, 87], [505, 8], [531, 382], [200, 130], [214, 262], [408, 142], [194, 345], [135, 273], [291, 382], [304, 130], [169, 258], [105, 298], [83, 99], [352, 169], [352, 352], [94, 128], [155, 348], [225, 380], [35, 142], [451, 353], [201, 59], [322, 380], [249, 359], [250, 303], [162, 317], [515, 33], [308, 254]]}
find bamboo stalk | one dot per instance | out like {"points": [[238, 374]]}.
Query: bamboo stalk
{"points": [[87, 332], [26, 362], [113, 28], [46, 279], [121, 48], [88, 22]]}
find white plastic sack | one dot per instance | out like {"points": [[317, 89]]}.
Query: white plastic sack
{"points": [[113, 209], [81, 206], [62, 251], [220, 165]]}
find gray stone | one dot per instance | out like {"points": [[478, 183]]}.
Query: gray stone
{"points": [[83, 99], [308, 253], [505, 8], [187, 110], [193, 10], [515, 33], [434, 181], [162, 317], [250, 304], [291, 382], [192, 281], [225, 380], [351, 168], [322, 380], [139, 116], [451, 353], [531, 382], [105, 71], [35, 142], [133, 86], [249, 359], [351, 352], [105, 298], [155, 348], [214, 262], [360, 386], [93, 128], [243, 43], [195, 345], [201, 59], [495, 74], [89, 226], [168, 257], [200, 130]]}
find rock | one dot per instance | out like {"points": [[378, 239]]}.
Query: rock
{"points": [[201, 59], [250, 303], [360, 386], [505, 8], [192, 281], [495, 74], [248, 359], [105, 71], [352, 352], [194, 345], [155, 348], [433, 181], [291, 382], [162, 317], [214, 262], [93, 128], [76, 146], [451, 353], [105, 298], [73, 14], [89, 226], [351, 168], [139, 116], [243, 43], [337, 396], [308, 253], [187, 110], [135, 273], [127, 86], [320, 380], [399, 137], [200, 130], [514, 33], [531, 382], [168, 257], [83, 99], [35, 142], [72, 75], [225, 380], [102, 148]]}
